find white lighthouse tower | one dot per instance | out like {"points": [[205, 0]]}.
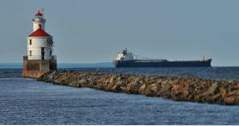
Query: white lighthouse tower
{"points": [[39, 58]]}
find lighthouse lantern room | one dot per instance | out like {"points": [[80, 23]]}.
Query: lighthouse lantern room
{"points": [[39, 58]]}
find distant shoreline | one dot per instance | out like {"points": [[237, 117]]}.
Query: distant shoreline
{"points": [[63, 65]]}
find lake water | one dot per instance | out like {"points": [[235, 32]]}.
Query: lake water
{"points": [[26, 101]]}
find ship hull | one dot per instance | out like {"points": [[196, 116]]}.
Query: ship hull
{"points": [[147, 63]]}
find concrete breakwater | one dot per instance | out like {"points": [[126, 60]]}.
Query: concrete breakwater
{"points": [[177, 88]]}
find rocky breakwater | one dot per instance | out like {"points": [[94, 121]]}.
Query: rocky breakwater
{"points": [[177, 88]]}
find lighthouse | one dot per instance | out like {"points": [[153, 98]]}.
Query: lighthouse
{"points": [[39, 58]]}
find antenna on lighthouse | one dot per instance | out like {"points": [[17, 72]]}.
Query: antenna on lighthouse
{"points": [[41, 10]]}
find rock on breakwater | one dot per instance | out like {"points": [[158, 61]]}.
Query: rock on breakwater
{"points": [[177, 88]]}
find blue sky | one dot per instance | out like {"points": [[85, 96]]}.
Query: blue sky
{"points": [[91, 31]]}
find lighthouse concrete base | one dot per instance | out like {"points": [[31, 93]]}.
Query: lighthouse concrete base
{"points": [[36, 68]]}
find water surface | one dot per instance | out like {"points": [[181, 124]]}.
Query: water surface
{"points": [[26, 101]]}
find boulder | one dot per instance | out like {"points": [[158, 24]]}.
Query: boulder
{"points": [[151, 90], [82, 81], [211, 89], [230, 100], [134, 86], [236, 86], [142, 89], [179, 91], [165, 89]]}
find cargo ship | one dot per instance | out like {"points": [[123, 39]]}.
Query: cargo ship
{"points": [[127, 59]]}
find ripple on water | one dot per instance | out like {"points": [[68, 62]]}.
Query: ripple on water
{"points": [[26, 101]]}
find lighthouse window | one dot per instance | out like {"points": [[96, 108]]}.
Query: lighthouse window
{"points": [[30, 42], [30, 52]]}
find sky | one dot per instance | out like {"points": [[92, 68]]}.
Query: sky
{"points": [[93, 31]]}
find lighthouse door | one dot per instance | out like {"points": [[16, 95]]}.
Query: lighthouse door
{"points": [[42, 53]]}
